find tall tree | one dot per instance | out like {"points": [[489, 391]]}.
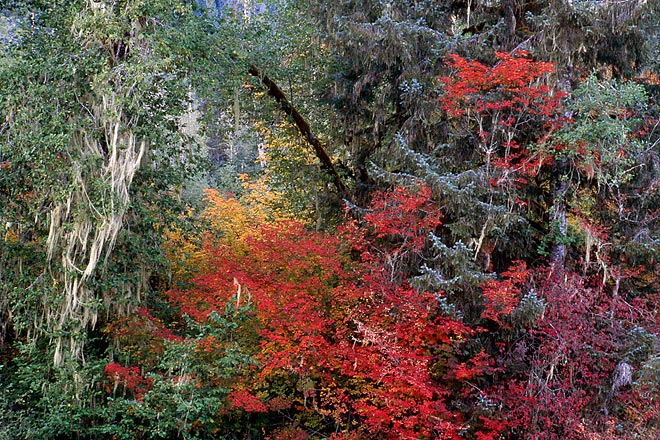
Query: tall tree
{"points": [[91, 94]]}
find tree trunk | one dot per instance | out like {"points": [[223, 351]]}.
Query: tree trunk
{"points": [[558, 218]]}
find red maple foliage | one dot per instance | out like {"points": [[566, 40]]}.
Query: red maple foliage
{"points": [[356, 341], [347, 347], [128, 378], [501, 295], [562, 373], [507, 106]]}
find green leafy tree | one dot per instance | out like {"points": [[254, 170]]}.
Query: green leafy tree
{"points": [[93, 158]]}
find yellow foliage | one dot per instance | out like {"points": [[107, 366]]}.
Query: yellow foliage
{"points": [[186, 255], [11, 236], [231, 220], [260, 196], [290, 182]]}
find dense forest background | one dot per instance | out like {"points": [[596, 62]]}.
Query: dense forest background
{"points": [[342, 219]]}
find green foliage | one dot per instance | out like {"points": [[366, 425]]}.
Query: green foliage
{"points": [[80, 88], [570, 237], [44, 402], [78, 92], [187, 388], [601, 141], [184, 395]]}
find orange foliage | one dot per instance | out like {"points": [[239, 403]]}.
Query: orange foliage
{"points": [[185, 256], [227, 221]]}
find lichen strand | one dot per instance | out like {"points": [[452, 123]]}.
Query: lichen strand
{"points": [[83, 232]]}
